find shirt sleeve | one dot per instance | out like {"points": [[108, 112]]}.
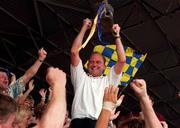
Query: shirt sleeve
{"points": [[76, 73], [16, 89], [114, 79]]}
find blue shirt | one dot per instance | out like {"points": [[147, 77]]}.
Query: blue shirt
{"points": [[16, 89]]}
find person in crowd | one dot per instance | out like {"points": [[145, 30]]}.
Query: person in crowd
{"points": [[150, 118], [112, 118], [159, 115], [41, 106], [110, 103], [54, 115], [55, 112], [4, 80], [140, 115], [42, 92], [8, 109], [23, 114], [23, 97], [133, 122], [18, 87], [89, 87]]}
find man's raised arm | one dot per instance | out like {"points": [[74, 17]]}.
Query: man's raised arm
{"points": [[151, 120], [56, 110], [78, 42], [119, 49], [34, 68]]}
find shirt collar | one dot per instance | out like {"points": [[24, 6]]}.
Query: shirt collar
{"points": [[101, 76]]}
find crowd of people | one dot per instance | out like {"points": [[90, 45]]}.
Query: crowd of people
{"points": [[95, 100]]}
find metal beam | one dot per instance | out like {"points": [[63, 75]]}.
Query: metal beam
{"points": [[38, 17], [62, 5], [9, 52], [157, 67], [29, 28], [60, 17]]}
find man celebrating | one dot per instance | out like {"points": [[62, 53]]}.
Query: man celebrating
{"points": [[89, 88], [18, 86]]}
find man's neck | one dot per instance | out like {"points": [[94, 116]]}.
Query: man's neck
{"points": [[95, 76]]}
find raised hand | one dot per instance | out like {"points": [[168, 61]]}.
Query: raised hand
{"points": [[110, 94], [110, 101], [43, 92], [139, 87], [42, 54], [116, 30], [114, 115], [31, 85], [55, 76], [87, 23], [118, 103], [12, 79]]}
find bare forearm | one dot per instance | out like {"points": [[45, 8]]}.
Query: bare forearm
{"points": [[150, 117], [103, 119], [75, 58], [25, 95], [34, 68], [78, 40], [56, 108], [120, 50], [121, 56], [31, 71], [22, 98]]}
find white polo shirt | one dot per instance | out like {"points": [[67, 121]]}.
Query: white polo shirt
{"points": [[89, 91]]}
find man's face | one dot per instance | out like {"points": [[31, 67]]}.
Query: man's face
{"points": [[96, 65], [4, 82]]}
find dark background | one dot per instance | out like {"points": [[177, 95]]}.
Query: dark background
{"points": [[149, 26]]}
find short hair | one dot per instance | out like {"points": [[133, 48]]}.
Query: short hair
{"points": [[21, 113], [133, 122], [104, 59], [5, 70], [8, 106]]}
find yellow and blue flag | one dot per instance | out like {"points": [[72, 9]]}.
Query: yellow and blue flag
{"points": [[133, 61]]}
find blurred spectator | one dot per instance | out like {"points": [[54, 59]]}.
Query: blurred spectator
{"points": [[8, 109], [18, 87]]}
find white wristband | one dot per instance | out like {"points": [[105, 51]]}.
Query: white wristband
{"points": [[109, 105]]}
